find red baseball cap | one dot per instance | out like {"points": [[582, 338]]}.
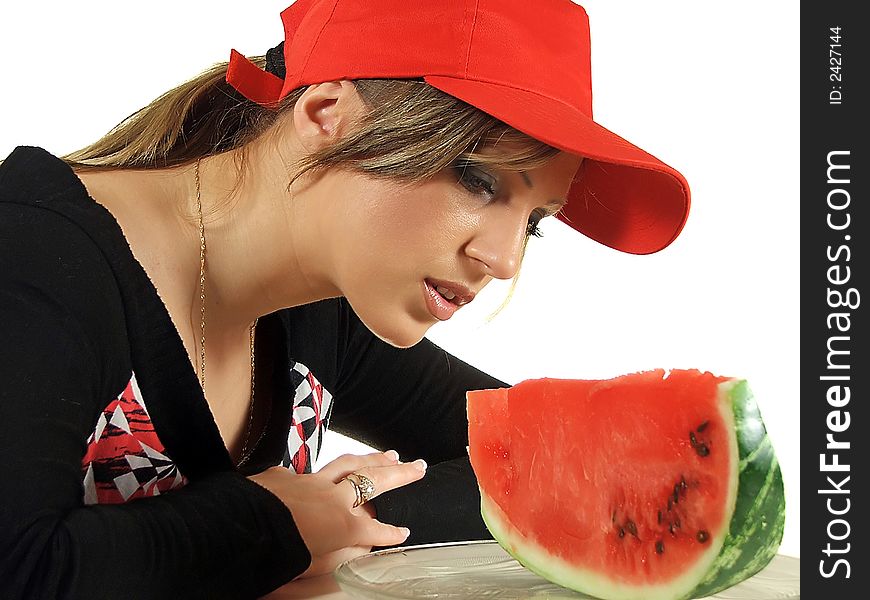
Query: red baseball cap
{"points": [[525, 62]]}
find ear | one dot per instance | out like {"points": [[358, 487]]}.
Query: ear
{"points": [[325, 112]]}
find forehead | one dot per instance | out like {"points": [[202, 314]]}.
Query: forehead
{"points": [[555, 178], [523, 155]]}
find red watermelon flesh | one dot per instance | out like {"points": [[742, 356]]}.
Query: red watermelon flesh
{"points": [[624, 488]]}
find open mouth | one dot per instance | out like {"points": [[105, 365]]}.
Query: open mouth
{"points": [[444, 298], [446, 294], [440, 306]]}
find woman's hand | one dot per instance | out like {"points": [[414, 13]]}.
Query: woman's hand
{"points": [[321, 505]]}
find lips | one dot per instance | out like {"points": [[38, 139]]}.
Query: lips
{"points": [[443, 304], [461, 295]]}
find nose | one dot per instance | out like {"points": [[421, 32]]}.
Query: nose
{"points": [[498, 245]]}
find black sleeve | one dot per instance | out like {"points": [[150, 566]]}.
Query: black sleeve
{"points": [[413, 400], [219, 536]]}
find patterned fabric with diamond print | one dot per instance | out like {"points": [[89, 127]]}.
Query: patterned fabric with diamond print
{"points": [[312, 406], [125, 458]]}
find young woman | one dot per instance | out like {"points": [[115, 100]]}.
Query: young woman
{"points": [[189, 301]]}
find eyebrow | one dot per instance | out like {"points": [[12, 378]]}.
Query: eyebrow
{"points": [[556, 202], [526, 178]]}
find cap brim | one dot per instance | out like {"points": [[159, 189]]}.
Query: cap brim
{"points": [[622, 196]]}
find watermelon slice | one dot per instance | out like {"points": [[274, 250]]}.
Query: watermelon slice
{"points": [[650, 486]]}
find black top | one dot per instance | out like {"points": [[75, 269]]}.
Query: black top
{"points": [[116, 482]]}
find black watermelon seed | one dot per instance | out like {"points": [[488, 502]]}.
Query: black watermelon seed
{"points": [[683, 483], [670, 504], [692, 438], [676, 494], [702, 536], [703, 426], [702, 450], [671, 529], [660, 517], [621, 532], [632, 528], [660, 547], [677, 522]]}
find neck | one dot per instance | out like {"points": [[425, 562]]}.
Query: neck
{"points": [[265, 247], [260, 255]]}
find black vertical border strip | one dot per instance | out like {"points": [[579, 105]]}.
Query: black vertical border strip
{"points": [[827, 127]]}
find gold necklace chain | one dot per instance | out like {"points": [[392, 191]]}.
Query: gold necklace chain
{"points": [[245, 454]]}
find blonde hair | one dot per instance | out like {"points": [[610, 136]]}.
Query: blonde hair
{"points": [[410, 132]]}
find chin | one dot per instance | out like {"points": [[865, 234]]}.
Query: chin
{"points": [[399, 337], [399, 331], [401, 323]]}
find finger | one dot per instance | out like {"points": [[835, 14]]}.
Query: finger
{"points": [[348, 463], [372, 532], [384, 478]]}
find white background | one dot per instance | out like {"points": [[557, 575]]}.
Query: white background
{"points": [[709, 88]]}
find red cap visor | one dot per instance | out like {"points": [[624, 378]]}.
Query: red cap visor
{"points": [[623, 197]]}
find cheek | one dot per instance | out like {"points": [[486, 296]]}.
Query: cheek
{"points": [[402, 225], [393, 237]]}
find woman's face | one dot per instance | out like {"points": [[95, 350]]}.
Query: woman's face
{"points": [[395, 244]]}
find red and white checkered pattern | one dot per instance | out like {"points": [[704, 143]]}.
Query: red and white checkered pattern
{"points": [[311, 410], [125, 458]]}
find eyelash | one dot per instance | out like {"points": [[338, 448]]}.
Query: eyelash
{"points": [[533, 230], [478, 185]]}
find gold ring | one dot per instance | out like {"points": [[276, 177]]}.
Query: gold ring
{"points": [[362, 487]]}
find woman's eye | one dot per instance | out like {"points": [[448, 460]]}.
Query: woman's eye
{"points": [[479, 182], [476, 181]]}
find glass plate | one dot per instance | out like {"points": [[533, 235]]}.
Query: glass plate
{"points": [[482, 569]]}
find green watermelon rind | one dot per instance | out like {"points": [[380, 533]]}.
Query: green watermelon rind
{"points": [[757, 525], [753, 536]]}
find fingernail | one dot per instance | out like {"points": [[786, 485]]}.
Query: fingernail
{"points": [[420, 464], [392, 454], [405, 531]]}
